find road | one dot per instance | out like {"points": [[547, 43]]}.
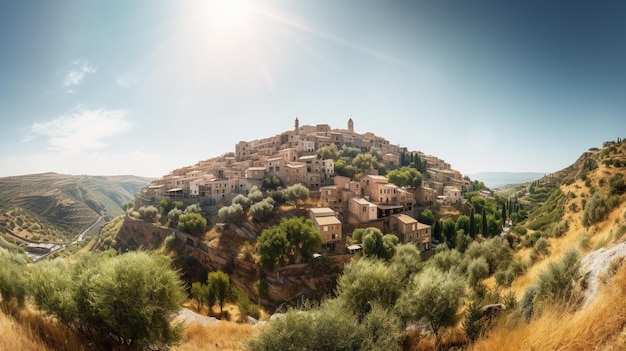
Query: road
{"points": [[82, 235]]}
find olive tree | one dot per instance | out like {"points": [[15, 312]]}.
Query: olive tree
{"points": [[192, 223], [148, 213], [433, 295], [128, 300], [296, 193]]}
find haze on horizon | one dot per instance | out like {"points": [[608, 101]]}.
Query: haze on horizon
{"points": [[144, 87]]}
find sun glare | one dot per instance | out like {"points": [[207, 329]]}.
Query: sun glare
{"points": [[228, 14]]}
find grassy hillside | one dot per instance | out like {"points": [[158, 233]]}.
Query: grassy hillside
{"points": [[56, 207], [563, 212]]}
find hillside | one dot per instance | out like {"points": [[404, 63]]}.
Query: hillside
{"points": [[563, 209], [56, 207]]}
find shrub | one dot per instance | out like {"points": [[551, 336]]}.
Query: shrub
{"points": [[434, 296], [263, 209], [366, 282], [329, 327], [13, 281], [246, 307], [229, 214], [556, 282], [148, 213], [173, 217], [242, 200], [496, 251], [128, 300], [477, 270], [192, 223], [596, 209]]}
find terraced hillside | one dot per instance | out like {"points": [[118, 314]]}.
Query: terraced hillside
{"points": [[56, 207]]}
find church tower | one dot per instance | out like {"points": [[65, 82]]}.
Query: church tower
{"points": [[350, 126], [297, 125]]}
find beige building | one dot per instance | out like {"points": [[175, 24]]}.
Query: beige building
{"points": [[361, 211], [329, 226], [409, 230]]}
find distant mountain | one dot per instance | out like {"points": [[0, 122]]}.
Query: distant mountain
{"points": [[56, 207], [500, 179]]}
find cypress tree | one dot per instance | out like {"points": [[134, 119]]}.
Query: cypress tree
{"points": [[484, 224], [472, 229]]}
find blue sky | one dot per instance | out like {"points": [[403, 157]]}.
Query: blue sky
{"points": [[144, 87]]}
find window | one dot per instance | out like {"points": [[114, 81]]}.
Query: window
{"points": [[325, 228]]}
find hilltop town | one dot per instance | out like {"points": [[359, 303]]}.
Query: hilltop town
{"points": [[292, 158]]}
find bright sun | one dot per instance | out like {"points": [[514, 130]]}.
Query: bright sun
{"points": [[228, 14]]}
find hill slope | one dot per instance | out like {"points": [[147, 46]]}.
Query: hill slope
{"points": [[56, 207]]}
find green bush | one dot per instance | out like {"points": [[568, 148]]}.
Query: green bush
{"points": [[148, 213], [596, 209], [556, 282], [128, 300], [246, 307], [329, 327], [366, 282]]}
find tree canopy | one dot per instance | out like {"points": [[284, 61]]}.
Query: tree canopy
{"points": [[293, 240]]}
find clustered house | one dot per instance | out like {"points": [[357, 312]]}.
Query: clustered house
{"points": [[292, 158]]}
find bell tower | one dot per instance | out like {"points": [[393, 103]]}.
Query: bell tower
{"points": [[297, 125], [350, 126]]}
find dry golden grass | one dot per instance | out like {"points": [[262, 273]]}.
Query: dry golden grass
{"points": [[28, 330], [15, 336], [599, 326], [226, 336]]}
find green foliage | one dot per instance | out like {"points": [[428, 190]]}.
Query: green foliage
{"points": [[254, 195], [13, 280], [192, 223], [173, 217], [148, 213], [194, 208], [445, 260], [471, 323], [200, 293], [596, 209], [541, 247], [329, 327], [218, 284], [328, 152], [496, 251], [462, 241], [449, 232], [406, 262], [293, 239], [230, 214], [271, 183], [477, 270], [128, 300], [296, 193], [504, 277], [367, 282], [427, 217], [246, 307], [433, 295], [405, 177], [617, 185], [556, 282], [462, 223], [263, 209], [375, 244], [550, 212], [169, 241]]}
